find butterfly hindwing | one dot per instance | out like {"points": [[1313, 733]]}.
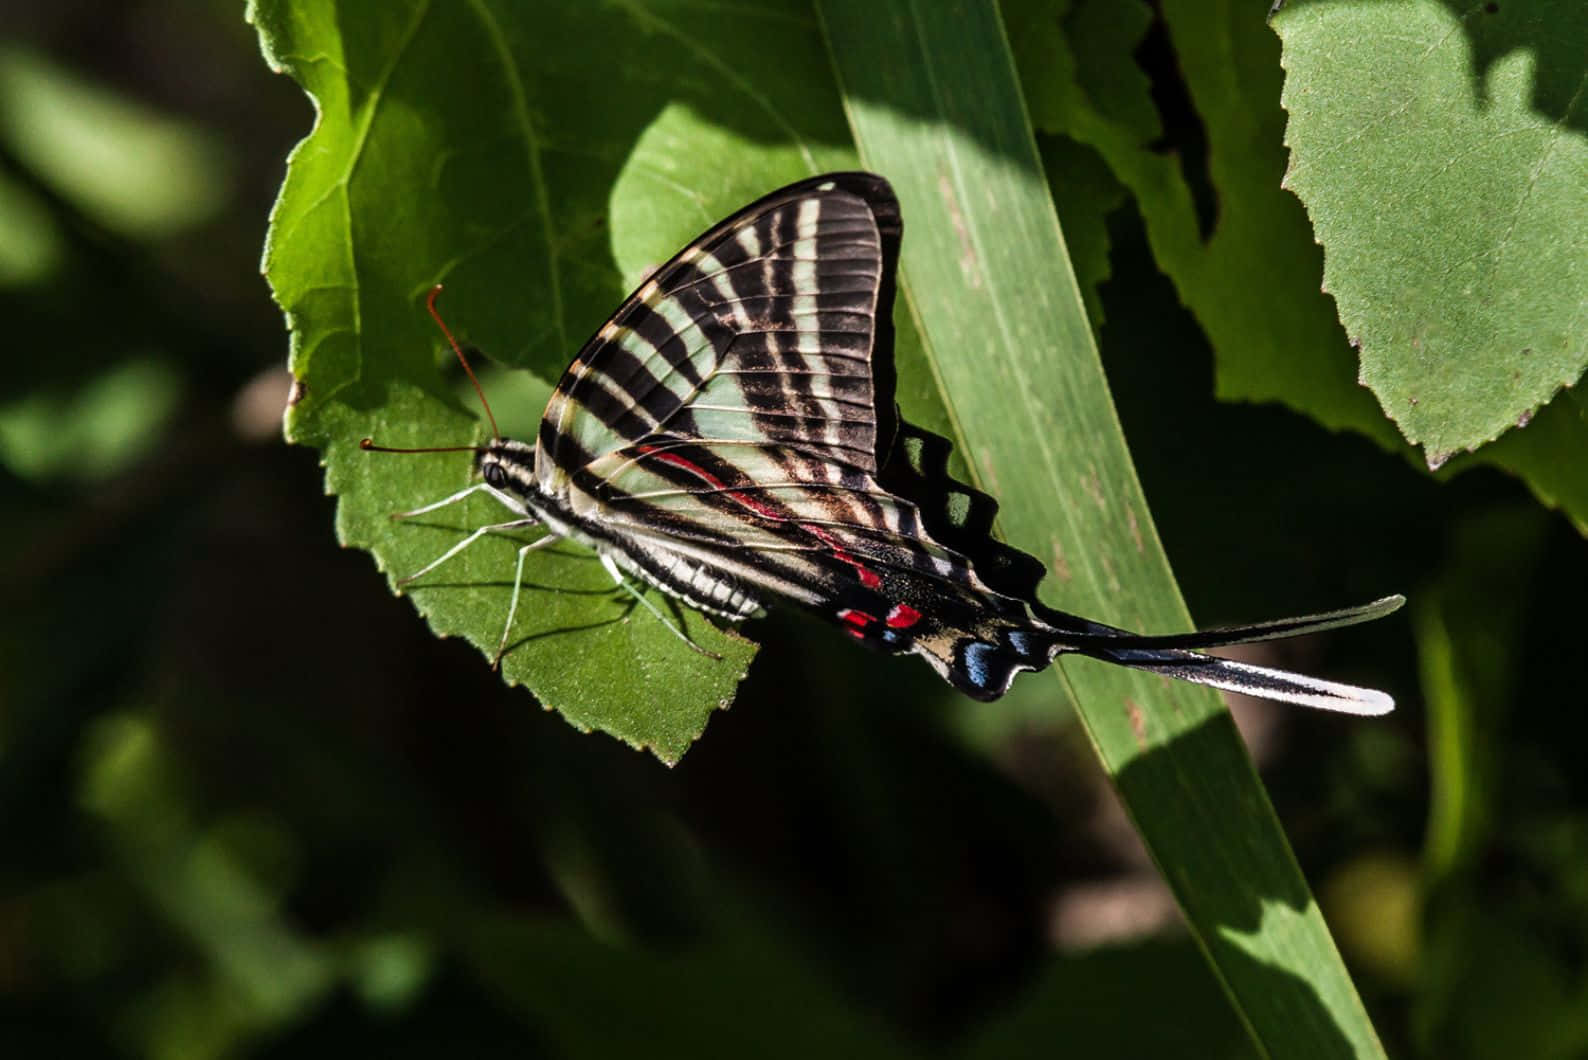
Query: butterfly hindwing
{"points": [[772, 520]]}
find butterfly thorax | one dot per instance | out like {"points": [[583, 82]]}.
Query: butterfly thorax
{"points": [[508, 466]]}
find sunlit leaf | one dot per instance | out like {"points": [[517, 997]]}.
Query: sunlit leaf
{"points": [[1243, 256], [1451, 200]]}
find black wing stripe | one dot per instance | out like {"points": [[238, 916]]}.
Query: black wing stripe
{"points": [[790, 291]]}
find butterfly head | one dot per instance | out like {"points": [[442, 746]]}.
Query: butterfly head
{"points": [[506, 464]]}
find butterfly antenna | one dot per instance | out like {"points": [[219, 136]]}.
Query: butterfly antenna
{"points": [[369, 446], [430, 304]]}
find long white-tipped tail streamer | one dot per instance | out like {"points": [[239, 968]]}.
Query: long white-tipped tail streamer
{"points": [[1173, 656]]}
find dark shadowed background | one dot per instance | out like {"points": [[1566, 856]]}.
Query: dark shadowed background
{"points": [[252, 806]]}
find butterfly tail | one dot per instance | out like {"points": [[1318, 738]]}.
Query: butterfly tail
{"points": [[1176, 655], [1223, 637], [1249, 679], [982, 656]]}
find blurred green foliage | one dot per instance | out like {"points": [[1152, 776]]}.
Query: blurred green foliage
{"points": [[253, 807]]}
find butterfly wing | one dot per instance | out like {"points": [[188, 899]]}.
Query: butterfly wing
{"points": [[774, 327], [772, 520]]}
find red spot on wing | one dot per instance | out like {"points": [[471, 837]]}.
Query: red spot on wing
{"points": [[857, 621], [903, 616], [868, 577]]}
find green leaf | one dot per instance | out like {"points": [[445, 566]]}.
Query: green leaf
{"points": [[1451, 201], [101, 429], [1469, 626], [1545, 455], [933, 99], [1254, 280], [486, 144], [140, 172], [194, 879], [1084, 192]]}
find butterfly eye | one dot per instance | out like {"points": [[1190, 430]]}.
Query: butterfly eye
{"points": [[495, 477]]}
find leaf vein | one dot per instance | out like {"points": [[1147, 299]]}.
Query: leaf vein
{"points": [[532, 152]]}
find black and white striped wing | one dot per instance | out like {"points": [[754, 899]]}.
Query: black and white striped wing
{"points": [[762, 331]]}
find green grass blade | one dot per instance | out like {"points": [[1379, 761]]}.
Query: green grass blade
{"points": [[934, 103]]}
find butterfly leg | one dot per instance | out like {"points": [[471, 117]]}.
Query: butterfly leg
{"points": [[518, 583], [623, 583], [504, 498], [516, 524]]}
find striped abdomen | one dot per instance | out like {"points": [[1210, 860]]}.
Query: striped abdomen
{"points": [[688, 580]]}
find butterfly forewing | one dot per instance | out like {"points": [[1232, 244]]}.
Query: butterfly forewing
{"points": [[760, 331]]}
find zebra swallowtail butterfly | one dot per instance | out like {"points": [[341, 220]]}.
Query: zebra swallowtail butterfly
{"points": [[729, 437]]}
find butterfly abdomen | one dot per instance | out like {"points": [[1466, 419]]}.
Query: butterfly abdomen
{"points": [[691, 582]]}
